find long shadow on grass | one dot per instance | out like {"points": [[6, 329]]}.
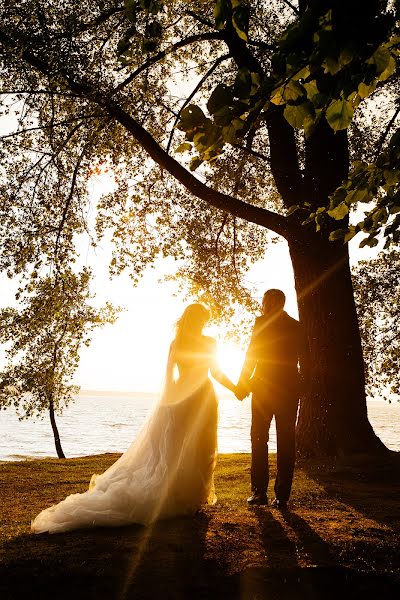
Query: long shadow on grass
{"points": [[370, 486], [285, 579], [166, 561]]}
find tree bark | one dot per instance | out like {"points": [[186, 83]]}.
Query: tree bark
{"points": [[57, 440], [333, 418]]}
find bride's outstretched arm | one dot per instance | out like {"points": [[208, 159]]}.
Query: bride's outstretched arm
{"points": [[218, 374], [222, 378]]}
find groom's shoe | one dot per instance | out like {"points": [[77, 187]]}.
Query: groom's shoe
{"points": [[279, 504], [258, 499]]}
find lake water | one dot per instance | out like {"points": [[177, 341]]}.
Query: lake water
{"points": [[100, 423]]}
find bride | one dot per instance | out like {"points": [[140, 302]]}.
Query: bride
{"points": [[168, 469]]}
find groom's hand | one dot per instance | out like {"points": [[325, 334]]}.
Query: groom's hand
{"points": [[240, 392]]}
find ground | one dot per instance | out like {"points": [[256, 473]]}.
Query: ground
{"points": [[340, 538]]}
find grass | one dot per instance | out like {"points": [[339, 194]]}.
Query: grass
{"points": [[340, 538]]}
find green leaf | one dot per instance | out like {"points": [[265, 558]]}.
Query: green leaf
{"points": [[293, 91], [289, 92], [389, 69], [277, 96], [311, 122], [243, 82], [311, 88], [292, 209], [200, 141], [392, 176], [229, 134], [319, 219], [221, 12], [240, 20], [339, 114], [339, 212], [296, 114], [369, 241], [337, 197], [381, 61], [195, 163], [222, 96], [337, 234], [349, 235], [359, 195], [334, 64], [331, 65], [255, 83], [380, 216], [183, 147], [131, 10], [310, 218], [365, 89], [191, 117]]}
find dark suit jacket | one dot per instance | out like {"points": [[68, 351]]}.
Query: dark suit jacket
{"points": [[271, 364]]}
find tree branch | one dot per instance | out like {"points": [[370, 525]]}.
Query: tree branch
{"points": [[225, 202], [51, 126], [193, 39], [68, 202], [36, 92], [102, 18], [252, 152], [385, 133], [284, 158], [294, 9], [219, 60], [208, 23]]}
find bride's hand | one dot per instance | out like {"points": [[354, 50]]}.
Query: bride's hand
{"points": [[240, 393]]}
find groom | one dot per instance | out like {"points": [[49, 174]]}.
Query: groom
{"points": [[270, 372]]}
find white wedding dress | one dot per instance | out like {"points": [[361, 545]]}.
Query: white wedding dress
{"points": [[168, 469]]}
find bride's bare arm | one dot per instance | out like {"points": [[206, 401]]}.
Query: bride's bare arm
{"points": [[218, 374]]}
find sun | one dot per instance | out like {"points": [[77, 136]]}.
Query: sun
{"points": [[230, 359]]}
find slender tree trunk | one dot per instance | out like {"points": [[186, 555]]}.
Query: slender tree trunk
{"points": [[57, 440], [333, 416]]}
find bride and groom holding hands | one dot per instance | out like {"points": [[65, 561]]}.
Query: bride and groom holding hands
{"points": [[169, 468]]}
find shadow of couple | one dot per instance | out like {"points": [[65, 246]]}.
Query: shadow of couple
{"points": [[171, 560]]}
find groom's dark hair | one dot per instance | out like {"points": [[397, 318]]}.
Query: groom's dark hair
{"points": [[276, 297]]}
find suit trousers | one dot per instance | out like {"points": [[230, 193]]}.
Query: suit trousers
{"points": [[284, 408]]}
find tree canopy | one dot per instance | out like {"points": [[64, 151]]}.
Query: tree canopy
{"points": [[286, 112], [377, 291], [87, 85]]}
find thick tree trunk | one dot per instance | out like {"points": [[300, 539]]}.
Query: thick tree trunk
{"points": [[57, 440], [333, 413]]}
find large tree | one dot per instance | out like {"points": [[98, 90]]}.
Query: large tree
{"points": [[96, 83]]}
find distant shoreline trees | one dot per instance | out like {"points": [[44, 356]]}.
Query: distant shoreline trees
{"points": [[44, 337]]}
